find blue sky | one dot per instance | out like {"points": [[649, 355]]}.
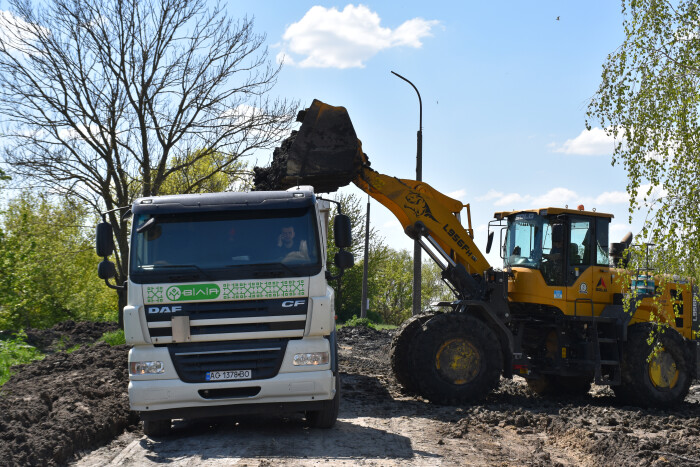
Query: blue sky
{"points": [[505, 88]]}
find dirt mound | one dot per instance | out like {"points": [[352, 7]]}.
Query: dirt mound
{"points": [[67, 402], [73, 402], [68, 334]]}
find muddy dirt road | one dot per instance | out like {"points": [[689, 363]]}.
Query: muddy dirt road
{"points": [[378, 425]]}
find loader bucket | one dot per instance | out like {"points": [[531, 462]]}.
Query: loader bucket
{"points": [[324, 153]]}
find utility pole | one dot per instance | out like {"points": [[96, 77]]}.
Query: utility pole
{"points": [[419, 177], [365, 268]]}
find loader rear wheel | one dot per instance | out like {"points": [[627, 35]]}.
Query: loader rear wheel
{"points": [[401, 355], [660, 379], [457, 359]]}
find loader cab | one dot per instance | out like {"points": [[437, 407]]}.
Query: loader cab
{"points": [[560, 243]]}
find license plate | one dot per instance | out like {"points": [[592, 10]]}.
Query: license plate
{"points": [[228, 375]]}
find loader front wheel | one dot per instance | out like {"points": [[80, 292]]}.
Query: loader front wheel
{"points": [[401, 355], [458, 359], [656, 374]]}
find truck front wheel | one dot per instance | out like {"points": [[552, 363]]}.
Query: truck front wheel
{"points": [[327, 416], [458, 359], [156, 428]]}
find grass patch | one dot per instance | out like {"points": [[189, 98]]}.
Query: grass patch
{"points": [[114, 337], [15, 351]]}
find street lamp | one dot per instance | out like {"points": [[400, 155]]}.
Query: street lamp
{"points": [[419, 177]]}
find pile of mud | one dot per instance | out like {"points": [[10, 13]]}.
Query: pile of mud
{"points": [[597, 425], [72, 402], [67, 402], [68, 334], [325, 153]]}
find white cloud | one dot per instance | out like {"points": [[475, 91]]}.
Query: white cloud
{"points": [[556, 197], [612, 197], [15, 33], [329, 38], [458, 194], [491, 194], [589, 143]]}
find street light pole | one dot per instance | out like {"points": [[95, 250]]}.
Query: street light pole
{"points": [[365, 302], [419, 177]]}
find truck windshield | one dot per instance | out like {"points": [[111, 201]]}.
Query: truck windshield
{"points": [[524, 240], [224, 245]]}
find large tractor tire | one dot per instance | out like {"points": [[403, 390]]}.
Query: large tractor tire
{"points": [[458, 359], [555, 385], [661, 380], [401, 355]]}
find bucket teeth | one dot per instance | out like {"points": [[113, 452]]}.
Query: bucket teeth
{"points": [[324, 153]]}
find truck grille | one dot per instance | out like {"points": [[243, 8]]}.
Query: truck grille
{"points": [[230, 321], [262, 357]]}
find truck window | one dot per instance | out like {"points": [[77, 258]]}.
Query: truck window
{"points": [[225, 245]]}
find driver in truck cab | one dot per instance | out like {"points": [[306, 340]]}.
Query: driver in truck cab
{"points": [[289, 247]]}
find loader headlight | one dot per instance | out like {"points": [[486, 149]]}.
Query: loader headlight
{"points": [[311, 358], [146, 368]]}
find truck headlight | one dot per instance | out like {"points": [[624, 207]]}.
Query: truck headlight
{"points": [[146, 368], [312, 358]]}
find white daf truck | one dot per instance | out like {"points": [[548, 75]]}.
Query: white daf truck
{"points": [[229, 308]]}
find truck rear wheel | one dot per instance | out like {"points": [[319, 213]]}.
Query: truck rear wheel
{"points": [[156, 428], [458, 359], [327, 416], [661, 380], [401, 354]]}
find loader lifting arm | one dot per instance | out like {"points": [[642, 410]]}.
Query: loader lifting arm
{"points": [[326, 153], [430, 216], [452, 357]]}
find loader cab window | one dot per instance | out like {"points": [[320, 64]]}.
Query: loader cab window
{"points": [[602, 225], [524, 240]]}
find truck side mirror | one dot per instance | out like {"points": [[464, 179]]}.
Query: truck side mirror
{"points": [[106, 270], [489, 242], [344, 260], [342, 231], [104, 243]]}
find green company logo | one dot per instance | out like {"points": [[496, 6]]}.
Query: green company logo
{"points": [[179, 293]]}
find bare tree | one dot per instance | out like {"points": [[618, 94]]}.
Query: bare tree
{"points": [[106, 99]]}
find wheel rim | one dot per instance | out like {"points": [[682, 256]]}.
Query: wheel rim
{"points": [[663, 372], [458, 361]]}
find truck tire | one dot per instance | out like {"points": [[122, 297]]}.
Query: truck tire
{"points": [[156, 428], [661, 381], [401, 354], [327, 416], [457, 359], [554, 385]]}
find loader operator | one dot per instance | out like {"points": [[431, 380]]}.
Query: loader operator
{"points": [[553, 267]]}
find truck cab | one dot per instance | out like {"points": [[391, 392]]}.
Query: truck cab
{"points": [[229, 309]]}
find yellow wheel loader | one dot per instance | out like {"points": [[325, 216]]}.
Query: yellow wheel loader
{"points": [[557, 313]]}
